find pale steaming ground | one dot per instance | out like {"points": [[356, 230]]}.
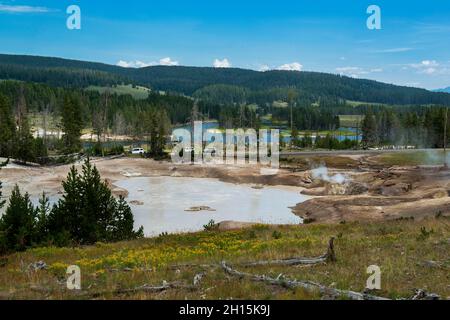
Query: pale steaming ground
{"points": [[163, 202], [321, 173]]}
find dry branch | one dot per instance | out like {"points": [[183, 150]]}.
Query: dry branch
{"points": [[153, 289], [307, 285], [329, 256]]}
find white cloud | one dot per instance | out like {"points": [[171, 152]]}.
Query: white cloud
{"points": [[141, 64], [353, 72], [133, 64], [294, 66], [394, 50], [221, 63], [356, 72], [168, 62], [22, 9], [123, 64], [426, 67], [429, 63], [264, 68]]}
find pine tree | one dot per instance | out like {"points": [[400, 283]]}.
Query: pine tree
{"points": [[88, 212], [157, 125], [63, 221], [2, 202], [7, 128], [42, 213], [295, 142], [24, 143], [71, 123], [369, 130], [122, 223], [17, 225], [307, 141]]}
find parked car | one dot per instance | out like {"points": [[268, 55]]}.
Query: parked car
{"points": [[139, 151]]}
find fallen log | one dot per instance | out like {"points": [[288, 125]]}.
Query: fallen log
{"points": [[421, 294], [307, 285], [193, 265], [154, 289]]}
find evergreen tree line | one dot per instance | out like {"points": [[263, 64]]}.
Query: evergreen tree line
{"points": [[44, 99], [215, 83], [257, 87], [422, 127], [87, 213], [69, 111], [16, 139], [239, 117], [328, 142], [61, 76]]}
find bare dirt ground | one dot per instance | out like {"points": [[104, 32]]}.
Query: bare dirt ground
{"points": [[370, 191], [374, 192]]}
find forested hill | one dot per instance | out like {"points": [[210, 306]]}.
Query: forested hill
{"points": [[216, 84]]}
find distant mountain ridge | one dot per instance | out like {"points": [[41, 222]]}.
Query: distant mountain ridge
{"points": [[446, 90], [218, 84]]}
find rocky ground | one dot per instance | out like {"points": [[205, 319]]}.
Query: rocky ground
{"points": [[345, 188]]}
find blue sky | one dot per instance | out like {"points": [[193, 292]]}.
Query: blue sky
{"points": [[412, 48]]}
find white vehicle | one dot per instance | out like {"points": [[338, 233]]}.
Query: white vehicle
{"points": [[212, 151], [139, 151]]}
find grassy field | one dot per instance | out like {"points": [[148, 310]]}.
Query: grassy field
{"points": [[351, 121], [414, 158], [359, 103], [36, 121], [137, 92], [411, 255], [307, 162]]}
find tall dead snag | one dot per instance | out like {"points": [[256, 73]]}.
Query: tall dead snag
{"points": [[306, 285], [331, 255]]}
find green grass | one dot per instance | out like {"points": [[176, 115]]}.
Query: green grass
{"points": [[351, 121], [336, 133], [36, 121], [358, 103], [307, 162], [400, 248], [280, 104], [137, 92], [412, 158]]}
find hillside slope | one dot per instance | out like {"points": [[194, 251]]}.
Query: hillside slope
{"points": [[268, 86], [409, 255]]}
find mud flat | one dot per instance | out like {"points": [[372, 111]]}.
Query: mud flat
{"points": [[172, 199], [386, 194], [181, 204], [370, 191]]}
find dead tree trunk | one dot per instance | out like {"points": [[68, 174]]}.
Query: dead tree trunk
{"points": [[306, 285]]}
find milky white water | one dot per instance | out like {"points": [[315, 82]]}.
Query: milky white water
{"points": [[166, 199]]}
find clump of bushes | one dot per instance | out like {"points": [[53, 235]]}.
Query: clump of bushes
{"points": [[99, 150], [424, 234], [87, 213], [277, 235], [211, 226]]}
